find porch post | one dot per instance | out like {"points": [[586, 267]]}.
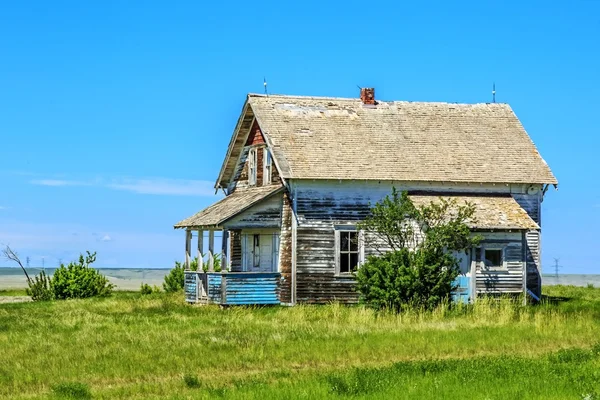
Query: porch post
{"points": [[224, 247], [211, 250], [188, 247], [200, 249]]}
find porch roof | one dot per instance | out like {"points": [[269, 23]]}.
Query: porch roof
{"points": [[492, 212], [240, 200]]}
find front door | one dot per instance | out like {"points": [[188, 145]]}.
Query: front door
{"points": [[260, 254]]}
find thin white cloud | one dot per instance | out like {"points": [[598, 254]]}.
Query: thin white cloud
{"points": [[3, 208], [57, 182], [154, 186], [106, 238], [161, 186]]}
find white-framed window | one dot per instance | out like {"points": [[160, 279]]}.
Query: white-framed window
{"points": [[349, 251], [252, 165], [268, 166], [493, 257]]}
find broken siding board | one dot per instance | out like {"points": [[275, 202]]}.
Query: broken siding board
{"points": [[236, 250]]}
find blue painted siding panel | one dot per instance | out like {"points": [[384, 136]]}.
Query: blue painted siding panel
{"points": [[214, 287], [246, 289], [191, 286]]}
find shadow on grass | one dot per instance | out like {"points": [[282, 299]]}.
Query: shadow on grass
{"points": [[555, 300]]}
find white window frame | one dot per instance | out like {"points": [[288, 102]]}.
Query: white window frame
{"points": [[502, 250], [360, 251], [267, 166], [252, 166]]}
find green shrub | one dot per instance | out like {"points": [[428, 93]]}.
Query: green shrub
{"points": [[405, 278], [420, 270], [40, 288], [145, 289], [79, 280], [73, 390], [175, 279]]}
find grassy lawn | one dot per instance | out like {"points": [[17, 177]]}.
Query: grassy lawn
{"points": [[155, 347]]}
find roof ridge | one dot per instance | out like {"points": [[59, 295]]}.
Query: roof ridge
{"points": [[357, 99]]}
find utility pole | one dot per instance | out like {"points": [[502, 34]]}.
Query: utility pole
{"points": [[27, 261], [556, 267]]}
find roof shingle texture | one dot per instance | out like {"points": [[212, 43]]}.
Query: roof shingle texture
{"points": [[228, 207], [334, 138], [491, 212]]}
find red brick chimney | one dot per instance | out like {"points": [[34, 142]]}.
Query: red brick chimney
{"points": [[367, 95]]}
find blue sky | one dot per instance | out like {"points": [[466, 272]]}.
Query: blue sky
{"points": [[115, 116]]}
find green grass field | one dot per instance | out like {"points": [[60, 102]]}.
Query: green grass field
{"points": [[156, 347]]}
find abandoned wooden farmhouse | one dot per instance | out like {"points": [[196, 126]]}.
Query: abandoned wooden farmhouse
{"points": [[300, 172]]}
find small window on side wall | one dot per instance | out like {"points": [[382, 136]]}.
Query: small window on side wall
{"points": [[348, 251], [493, 258], [252, 163], [268, 166]]}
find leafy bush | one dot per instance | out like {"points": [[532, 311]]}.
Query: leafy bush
{"points": [[175, 279], [147, 289], [406, 278], [419, 271], [40, 288], [79, 280]]}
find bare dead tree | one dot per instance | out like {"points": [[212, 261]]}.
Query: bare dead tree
{"points": [[10, 255]]}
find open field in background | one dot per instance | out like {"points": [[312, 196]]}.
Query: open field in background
{"points": [[124, 278], [133, 346]]}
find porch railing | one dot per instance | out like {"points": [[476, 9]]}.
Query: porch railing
{"points": [[232, 288]]}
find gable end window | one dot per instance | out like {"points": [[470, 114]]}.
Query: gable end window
{"points": [[348, 251], [252, 165], [268, 166]]}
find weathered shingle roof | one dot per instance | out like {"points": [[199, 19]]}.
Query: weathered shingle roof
{"points": [[333, 138], [496, 212], [230, 206]]}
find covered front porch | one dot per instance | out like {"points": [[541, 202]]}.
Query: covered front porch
{"points": [[247, 269]]}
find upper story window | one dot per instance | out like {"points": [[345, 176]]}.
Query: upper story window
{"points": [[252, 165], [268, 166], [348, 250]]}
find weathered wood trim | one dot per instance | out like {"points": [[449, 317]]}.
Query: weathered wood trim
{"points": [[223, 289], [200, 249], [224, 247], [232, 142], [473, 285], [188, 248], [294, 244], [211, 250], [524, 264]]}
